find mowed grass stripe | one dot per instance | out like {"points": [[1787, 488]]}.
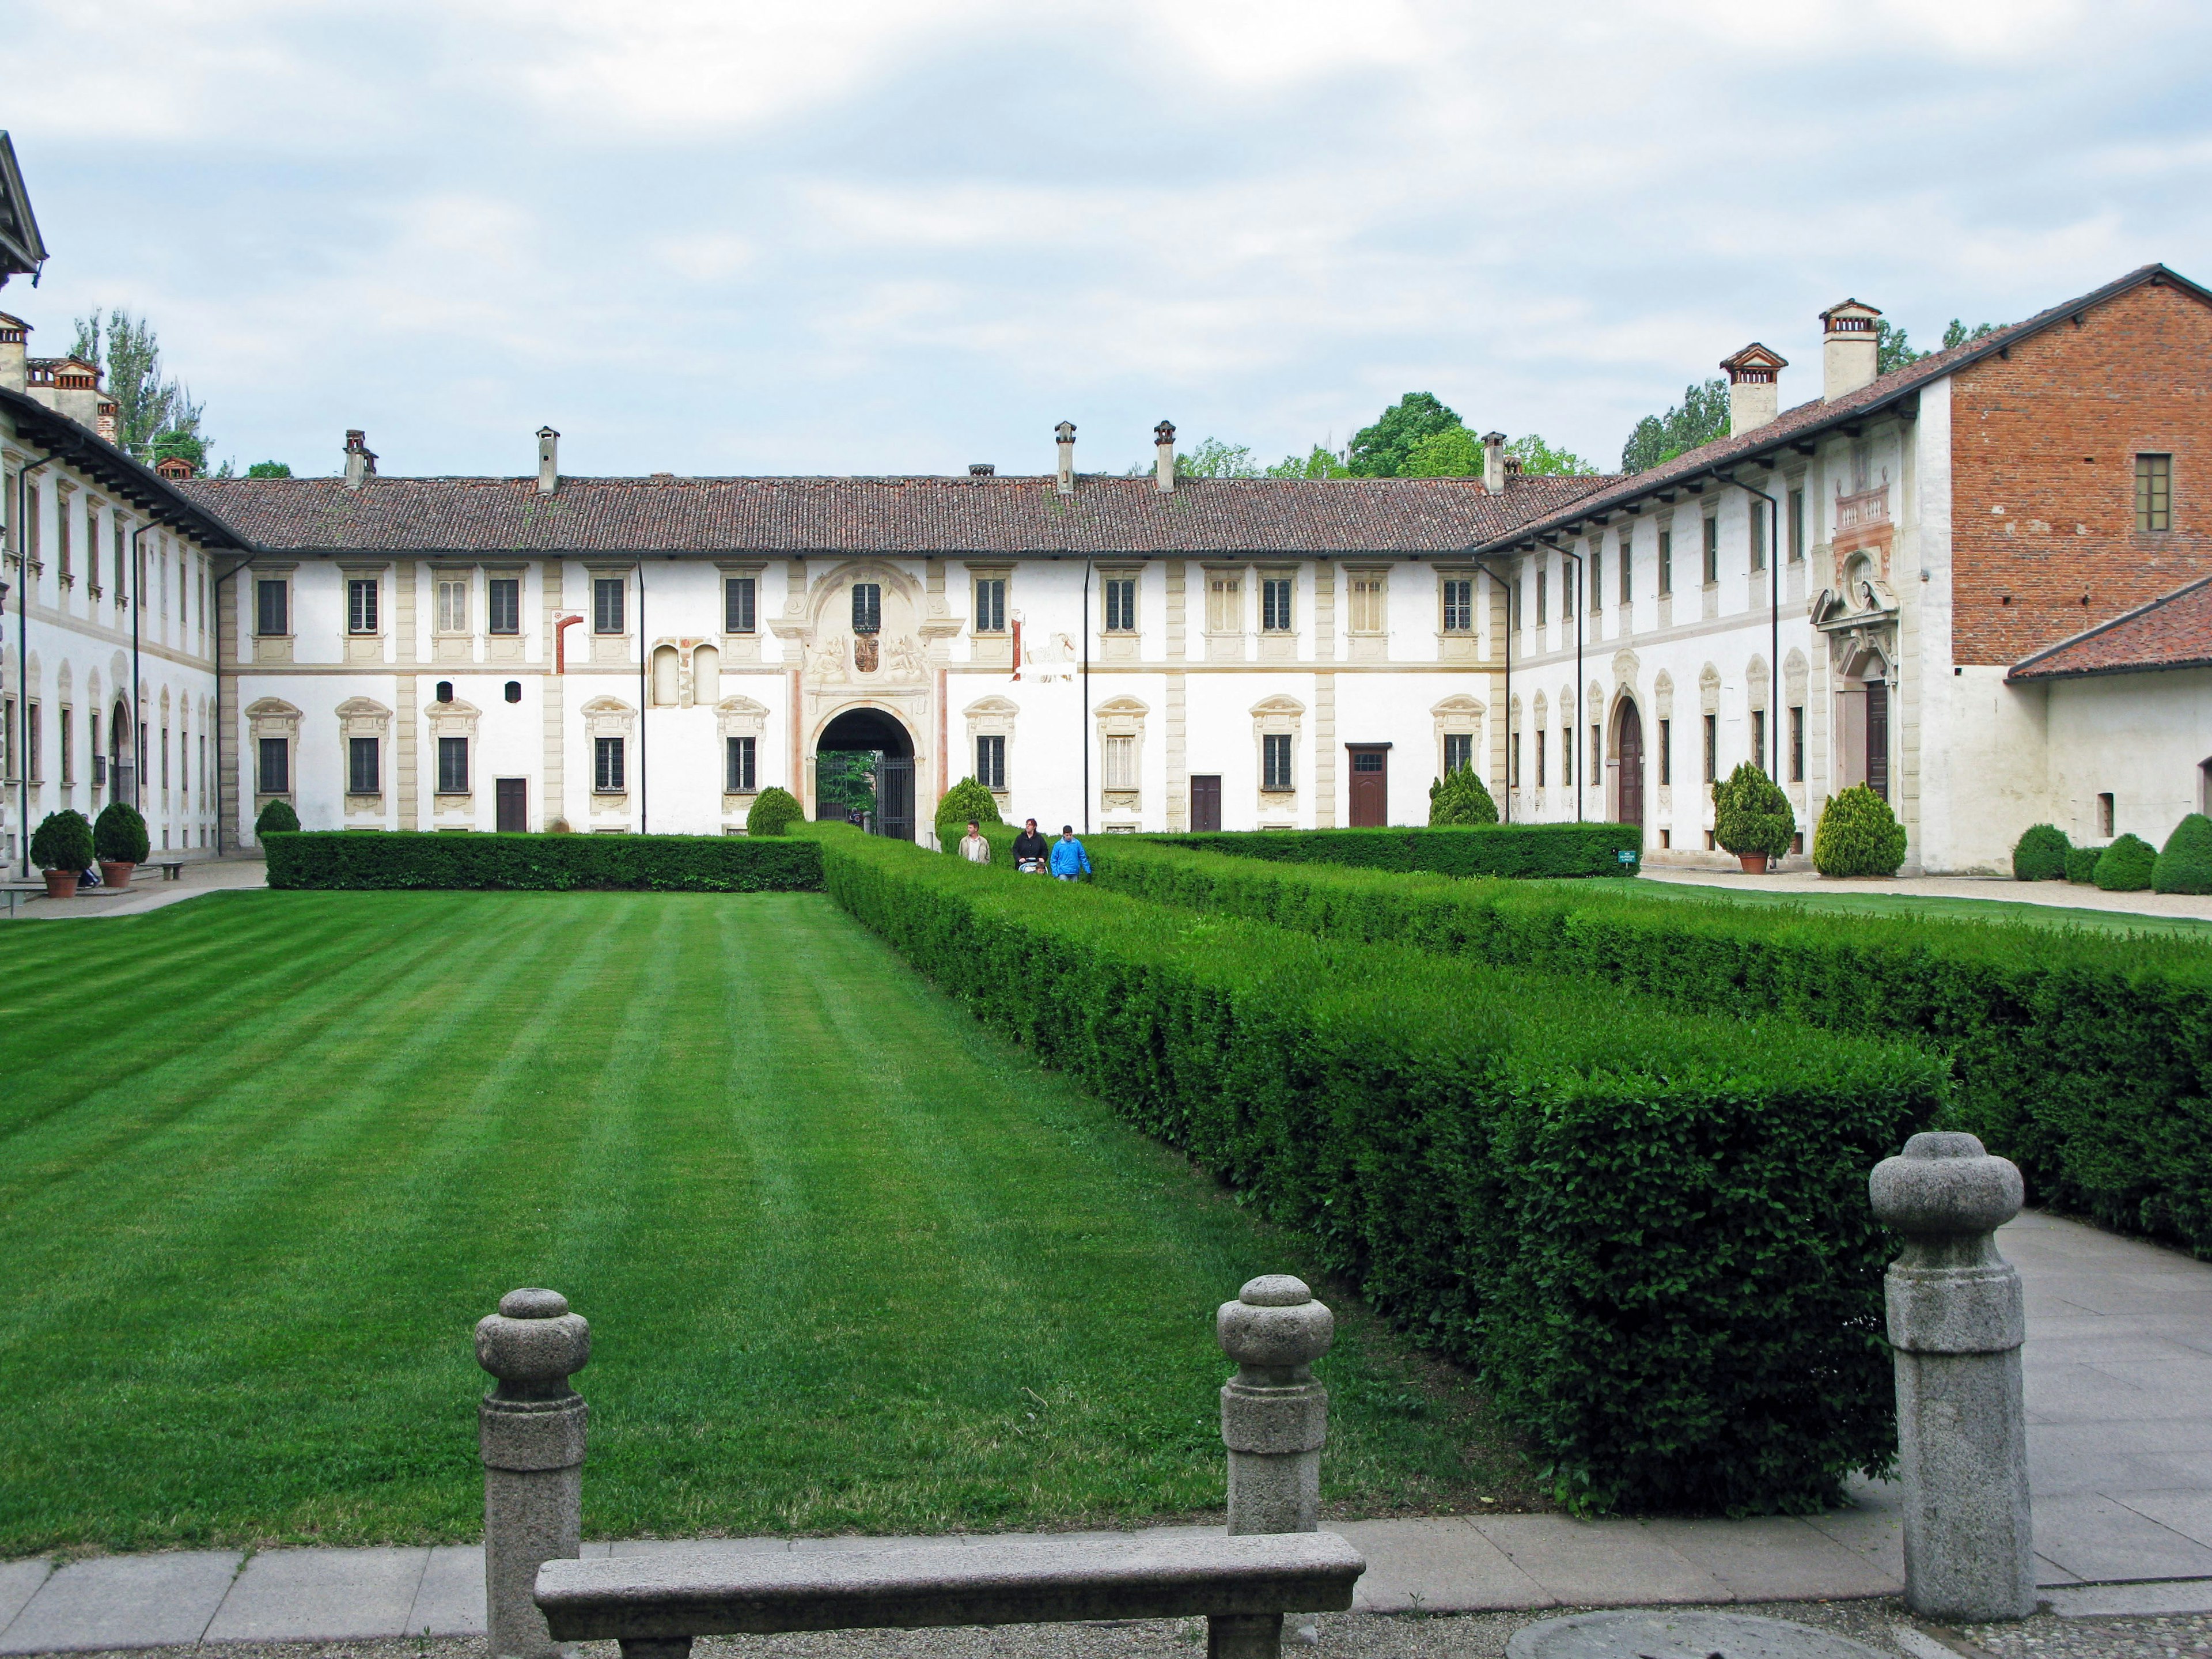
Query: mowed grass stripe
{"points": [[851, 1262]]}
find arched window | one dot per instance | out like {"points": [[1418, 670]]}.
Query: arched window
{"points": [[444, 690]]}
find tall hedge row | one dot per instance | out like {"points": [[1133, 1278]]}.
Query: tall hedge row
{"points": [[2085, 1057], [1480, 849], [663, 864], [1649, 1231]]}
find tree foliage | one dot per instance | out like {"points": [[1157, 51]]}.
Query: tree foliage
{"points": [[149, 411], [1750, 814], [1460, 797], [269, 469], [61, 841], [1701, 417], [1539, 459], [1858, 836], [1381, 450], [1893, 348], [119, 834], [1452, 452], [1217, 458], [1321, 462]]}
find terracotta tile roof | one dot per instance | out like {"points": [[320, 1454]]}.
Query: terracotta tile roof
{"points": [[982, 515], [2172, 631], [1806, 419]]}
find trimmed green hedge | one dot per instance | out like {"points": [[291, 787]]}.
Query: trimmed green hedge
{"points": [[665, 864], [2125, 867], [2081, 864], [1479, 849], [1648, 1229], [2184, 863], [2087, 1058], [2040, 854]]}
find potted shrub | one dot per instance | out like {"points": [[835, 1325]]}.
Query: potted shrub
{"points": [[1459, 797], [119, 841], [2040, 854], [1858, 836], [2185, 865], [1752, 818], [61, 848], [964, 800], [2125, 867], [277, 818], [774, 811]]}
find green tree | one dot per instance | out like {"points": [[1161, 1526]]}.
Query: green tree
{"points": [[147, 408], [1459, 797], [1959, 334], [269, 469], [1699, 418], [1750, 814], [1450, 452], [1321, 462], [1890, 349], [1540, 458], [1380, 451], [964, 800], [1217, 458]]}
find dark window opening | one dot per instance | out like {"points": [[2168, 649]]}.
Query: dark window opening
{"points": [[991, 762], [361, 769], [503, 605], [607, 765], [271, 609], [737, 765], [453, 766], [1121, 605], [607, 604], [868, 607], [515, 691], [740, 595]]}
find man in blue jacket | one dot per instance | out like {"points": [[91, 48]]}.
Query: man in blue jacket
{"points": [[1069, 861]]}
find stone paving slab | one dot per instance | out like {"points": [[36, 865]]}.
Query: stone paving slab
{"points": [[451, 1597], [124, 1601], [19, 1582], [1776, 1557], [2100, 1540], [1423, 1567], [1600, 1563], [321, 1595]]}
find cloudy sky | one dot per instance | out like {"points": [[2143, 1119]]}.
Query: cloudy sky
{"points": [[901, 235]]}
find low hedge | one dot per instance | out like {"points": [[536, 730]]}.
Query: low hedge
{"points": [[663, 864], [2087, 1058], [2081, 864], [1479, 849], [2040, 854], [1647, 1230], [2126, 865], [2184, 863]]}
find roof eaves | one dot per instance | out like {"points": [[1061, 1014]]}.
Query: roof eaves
{"points": [[146, 488], [2025, 669]]}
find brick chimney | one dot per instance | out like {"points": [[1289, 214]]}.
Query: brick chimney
{"points": [[1163, 457], [1063, 434], [1847, 348], [174, 467], [1755, 387], [14, 344], [549, 460], [1493, 462], [360, 459]]}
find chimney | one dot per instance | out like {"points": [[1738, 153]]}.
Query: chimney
{"points": [[1493, 462], [1755, 387], [108, 411], [983, 470], [174, 467], [549, 460], [360, 459], [1065, 434], [15, 338], [1164, 449], [1847, 348]]}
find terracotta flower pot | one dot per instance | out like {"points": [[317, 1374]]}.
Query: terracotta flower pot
{"points": [[117, 876], [1754, 864], [60, 883]]}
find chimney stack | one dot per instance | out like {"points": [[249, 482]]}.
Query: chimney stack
{"points": [[14, 346], [1755, 387], [983, 470], [1847, 348], [360, 459], [1065, 435], [1493, 462], [549, 460], [1163, 450]]}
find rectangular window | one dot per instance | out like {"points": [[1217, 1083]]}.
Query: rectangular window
{"points": [[1666, 751], [1520, 608], [607, 765], [739, 594], [453, 605], [32, 730], [165, 753], [1758, 535], [1596, 578], [271, 610], [1513, 759], [2104, 816], [503, 605], [1543, 596], [1759, 741], [361, 605], [1275, 604], [1225, 605], [62, 537], [1275, 756], [868, 607], [9, 730], [990, 604], [991, 762], [1121, 605], [361, 770], [1666, 561], [69, 746], [453, 766], [1121, 758], [1597, 751], [122, 540], [1627, 568], [1459, 605], [1570, 575], [1796, 743], [1543, 752], [1796, 526], [34, 524], [737, 758], [2153, 492], [1459, 751], [607, 604], [1712, 552], [1712, 746]]}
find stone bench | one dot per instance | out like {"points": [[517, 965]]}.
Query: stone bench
{"points": [[655, 1605]]}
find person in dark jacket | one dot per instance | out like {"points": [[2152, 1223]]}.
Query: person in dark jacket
{"points": [[1030, 849]]}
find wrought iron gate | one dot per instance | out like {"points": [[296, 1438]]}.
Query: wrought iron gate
{"points": [[895, 798]]}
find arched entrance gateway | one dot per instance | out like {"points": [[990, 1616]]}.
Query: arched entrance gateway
{"points": [[864, 773], [1628, 763]]}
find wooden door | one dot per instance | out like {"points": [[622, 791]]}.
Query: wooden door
{"points": [[1206, 803], [1370, 785], [512, 798], [1628, 753], [1877, 736]]}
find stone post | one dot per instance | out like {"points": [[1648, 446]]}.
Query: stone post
{"points": [[1956, 1321], [531, 1428], [1274, 1421]]}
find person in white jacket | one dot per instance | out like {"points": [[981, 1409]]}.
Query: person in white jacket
{"points": [[973, 847]]}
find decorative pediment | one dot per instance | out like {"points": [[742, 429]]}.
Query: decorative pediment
{"points": [[994, 709], [352, 708], [1276, 705], [1459, 704]]}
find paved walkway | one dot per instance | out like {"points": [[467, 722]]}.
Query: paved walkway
{"points": [[2119, 1391], [2061, 894], [148, 891]]}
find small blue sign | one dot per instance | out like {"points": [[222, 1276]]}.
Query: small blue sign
{"points": [[1627, 855]]}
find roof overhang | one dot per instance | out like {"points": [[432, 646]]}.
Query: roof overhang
{"points": [[148, 491], [22, 251]]}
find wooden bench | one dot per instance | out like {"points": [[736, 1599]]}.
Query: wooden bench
{"points": [[655, 1605]]}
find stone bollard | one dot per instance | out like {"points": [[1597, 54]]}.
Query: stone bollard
{"points": [[531, 1428], [1274, 1420], [1956, 1321]]}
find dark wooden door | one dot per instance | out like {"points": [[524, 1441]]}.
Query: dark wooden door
{"points": [[1370, 785], [1206, 803], [1877, 736], [511, 797], [1628, 752]]}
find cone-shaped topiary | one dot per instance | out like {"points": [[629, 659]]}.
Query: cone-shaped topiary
{"points": [[1460, 797], [63, 840], [964, 800], [277, 818], [1858, 836], [774, 811], [2186, 864], [1750, 814], [119, 834], [2126, 865], [2081, 864], [2040, 854]]}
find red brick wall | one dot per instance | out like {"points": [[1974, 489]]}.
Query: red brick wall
{"points": [[2051, 434]]}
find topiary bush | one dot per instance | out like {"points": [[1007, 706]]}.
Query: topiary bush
{"points": [[2081, 864], [2127, 864], [1858, 836], [2185, 864], [119, 834], [1460, 798], [277, 818], [1750, 814], [964, 800], [774, 811], [61, 841], [2040, 854]]}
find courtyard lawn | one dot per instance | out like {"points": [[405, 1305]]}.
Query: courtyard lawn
{"points": [[851, 1262], [1933, 908]]}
